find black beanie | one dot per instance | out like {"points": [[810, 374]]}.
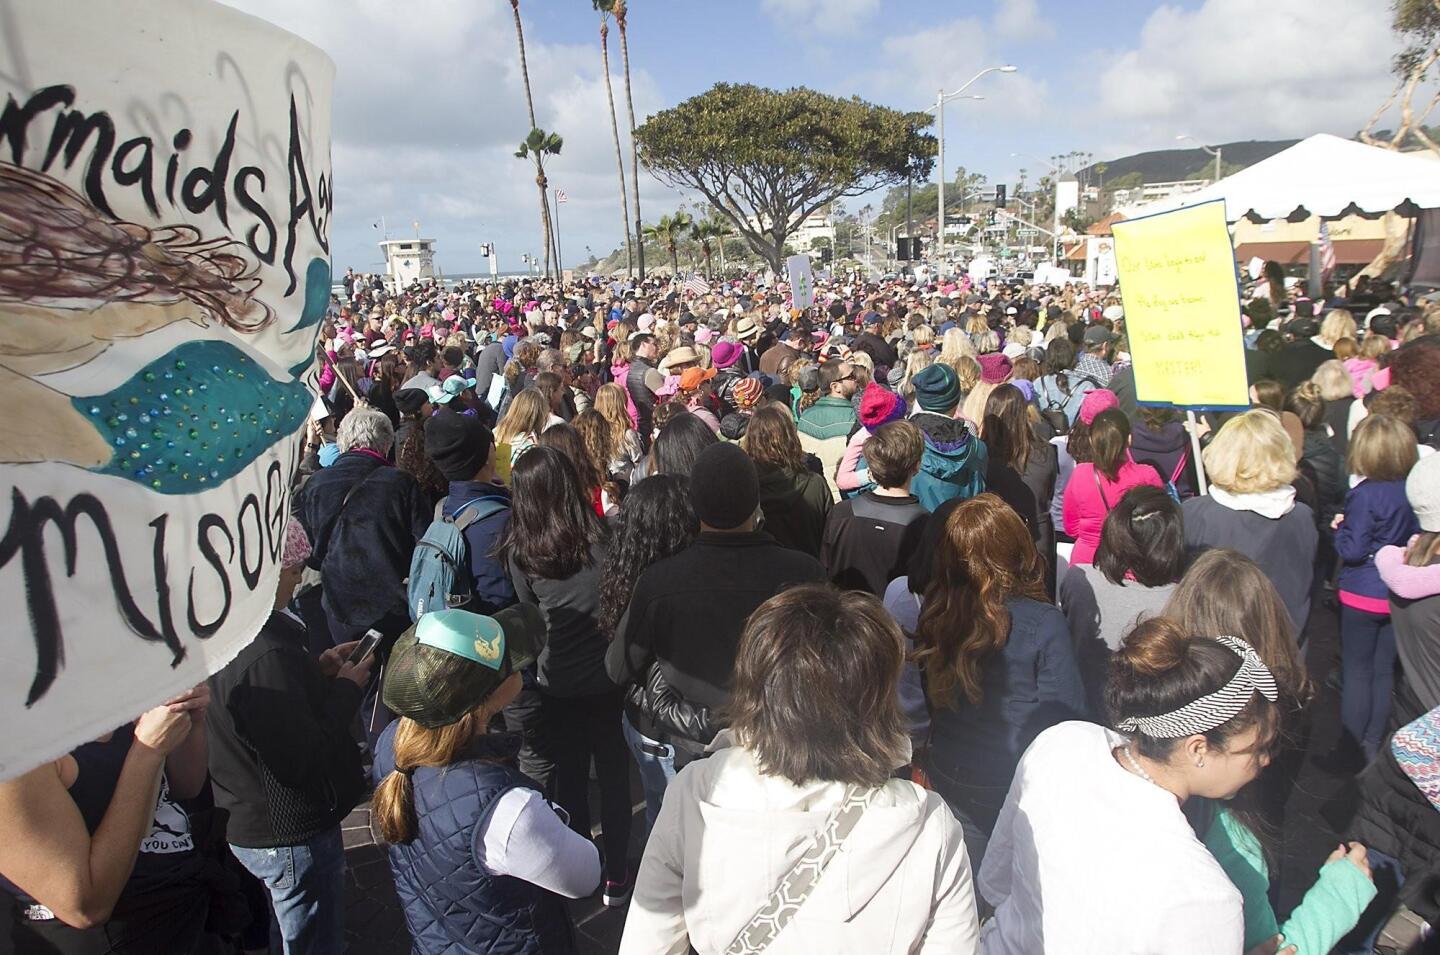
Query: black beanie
{"points": [[458, 444], [410, 400], [724, 487]]}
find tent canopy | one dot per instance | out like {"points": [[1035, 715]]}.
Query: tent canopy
{"points": [[1323, 176]]}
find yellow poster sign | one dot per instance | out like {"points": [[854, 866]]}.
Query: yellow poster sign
{"points": [[1182, 308]]}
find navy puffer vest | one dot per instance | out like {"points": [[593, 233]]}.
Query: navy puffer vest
{"points": [[452, 905]]}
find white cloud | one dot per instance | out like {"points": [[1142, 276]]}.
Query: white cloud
{"points": [[1237, 69], [1021, 20], [822, 16], [427, 114]]}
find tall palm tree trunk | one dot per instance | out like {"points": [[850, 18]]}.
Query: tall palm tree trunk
{"points": [[619, 157], [530, 105], [621, 12]]}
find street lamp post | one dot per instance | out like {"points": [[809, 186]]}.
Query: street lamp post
{"points": [[940, 99], [1055, 235], [1213, 152]]}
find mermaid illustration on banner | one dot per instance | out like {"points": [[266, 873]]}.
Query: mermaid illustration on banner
{"points": [[74, 282]]}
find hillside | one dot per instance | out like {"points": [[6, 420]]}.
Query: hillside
{"points": [[1169, 165]]}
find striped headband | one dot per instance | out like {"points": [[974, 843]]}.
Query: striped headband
{"points": [[1213, 709]]}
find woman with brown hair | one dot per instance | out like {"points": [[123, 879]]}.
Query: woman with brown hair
{"points": [[480, 859], [1194, 716], [997, 659], [1015, 448], [807, 764], [523, 423], [795, 500]]}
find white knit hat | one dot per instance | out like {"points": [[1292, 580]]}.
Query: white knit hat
{"points": [[1422, 487]]}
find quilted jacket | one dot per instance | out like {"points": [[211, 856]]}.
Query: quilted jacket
{"points": [[452, 905]]}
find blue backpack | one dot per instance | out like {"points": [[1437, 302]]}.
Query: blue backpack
{"points": [[440, 567]]}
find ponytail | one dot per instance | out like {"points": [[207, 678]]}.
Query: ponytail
{"points": [[392, 809]]}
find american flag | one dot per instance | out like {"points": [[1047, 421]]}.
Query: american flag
{"points": [[697, 285], [1327, 251], [560, 196]]}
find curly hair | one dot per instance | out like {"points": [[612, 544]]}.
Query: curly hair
{"points": [[655, 521], [771, 439]]}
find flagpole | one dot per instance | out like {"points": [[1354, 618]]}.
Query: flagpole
{"points": [[559, 262]]}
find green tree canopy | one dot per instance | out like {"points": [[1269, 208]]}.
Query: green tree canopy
{"points": [[767, 159]]}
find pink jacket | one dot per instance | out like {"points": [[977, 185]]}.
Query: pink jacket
{"points": [[618, 373], [847, 478], [1090, 496], [1360, 370]]}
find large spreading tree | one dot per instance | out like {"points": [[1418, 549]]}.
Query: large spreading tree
{"points": [[765, 159]]}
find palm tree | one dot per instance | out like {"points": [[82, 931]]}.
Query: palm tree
{"points": [[668, 232], [537, 146], [621, 12], [605, 9], [703, 232], [534, 128]]}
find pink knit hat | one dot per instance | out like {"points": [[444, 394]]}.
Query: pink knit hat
{"points": [[297, 545], [1094, 402]]}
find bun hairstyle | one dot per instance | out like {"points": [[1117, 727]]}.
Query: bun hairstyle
{"points": [[1161, 667]]}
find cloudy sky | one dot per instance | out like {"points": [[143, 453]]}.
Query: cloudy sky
{"points": [[429, 105]]}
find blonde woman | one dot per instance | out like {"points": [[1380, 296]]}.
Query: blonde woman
{"points": [[1337, 324], [626, 451], [923, 337], [447, 802], [954, 346], [1251, 507], [914, 361], [973, 408], [523, 423], [1336, 387]]}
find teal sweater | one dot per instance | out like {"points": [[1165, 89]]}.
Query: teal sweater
{"points": [[1330, 908]]}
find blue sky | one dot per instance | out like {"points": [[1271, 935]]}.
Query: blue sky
{"points": [[429, 106]]}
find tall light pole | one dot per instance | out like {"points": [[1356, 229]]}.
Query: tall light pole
{"points": [[1214, 152], [940, 99], [1055, 235]]}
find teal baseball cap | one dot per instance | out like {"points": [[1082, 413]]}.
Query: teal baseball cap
{"points": [[450, 661]]}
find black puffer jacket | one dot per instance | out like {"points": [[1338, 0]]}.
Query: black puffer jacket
{"points": [[1325, 468], [1396, 819]]}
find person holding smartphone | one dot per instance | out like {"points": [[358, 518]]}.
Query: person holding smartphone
{"points": [[284, 764]]}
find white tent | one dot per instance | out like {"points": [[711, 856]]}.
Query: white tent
{"points": [[1323, 176]]}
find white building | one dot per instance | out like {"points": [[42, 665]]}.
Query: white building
{"points": [[1129, 202], [408, 261], [817, 225]]}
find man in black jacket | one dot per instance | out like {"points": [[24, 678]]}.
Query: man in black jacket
{"points": [[687, 613], [285, 768], [363, 516]]}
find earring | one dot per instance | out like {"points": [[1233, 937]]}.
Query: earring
{"points": [[1200, 764]]}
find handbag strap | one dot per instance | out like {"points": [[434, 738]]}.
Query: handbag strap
{"points": [[1099, 487], [796, 886]]}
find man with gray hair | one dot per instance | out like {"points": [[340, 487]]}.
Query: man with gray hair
{"points": [[363, 516]]}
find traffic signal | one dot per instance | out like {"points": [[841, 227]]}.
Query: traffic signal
{"points": [[1000, 196]]}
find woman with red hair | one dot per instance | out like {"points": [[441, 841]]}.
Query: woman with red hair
{"points": [[997, 658]]}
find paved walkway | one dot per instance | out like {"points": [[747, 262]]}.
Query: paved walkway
{"points": [[1315, 819]]}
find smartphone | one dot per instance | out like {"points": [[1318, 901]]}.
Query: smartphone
{"points": [[365, 647]]}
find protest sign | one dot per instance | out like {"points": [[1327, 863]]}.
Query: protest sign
{"points": [[1182, 308], [165, 203], [802, 283]]}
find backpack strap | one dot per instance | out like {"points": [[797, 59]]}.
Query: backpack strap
{"points": [[477, 510]]}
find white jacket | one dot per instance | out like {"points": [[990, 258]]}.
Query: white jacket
{"points": [[727, 834]]}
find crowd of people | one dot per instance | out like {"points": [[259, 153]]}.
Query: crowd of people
{"points": [[921, 633]]}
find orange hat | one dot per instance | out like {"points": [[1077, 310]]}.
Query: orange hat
{"points": [[693, 378]]}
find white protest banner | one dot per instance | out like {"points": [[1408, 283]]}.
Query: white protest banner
{"points": [[165, 203], [802, 282], [1182, 308]]}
